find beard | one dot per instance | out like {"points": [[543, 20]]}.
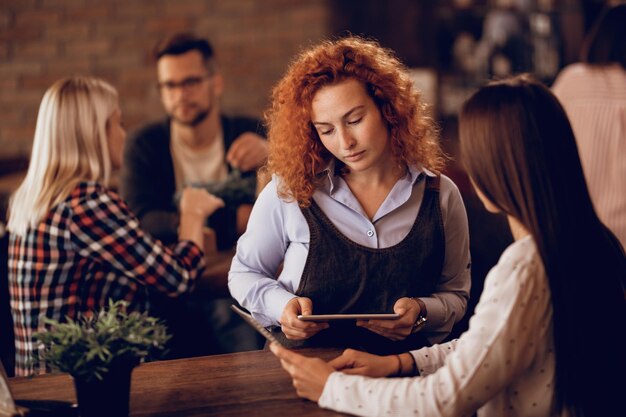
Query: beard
{"points": [[200, 115]]}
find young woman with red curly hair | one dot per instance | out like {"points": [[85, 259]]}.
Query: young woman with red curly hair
{"points": [[357, 214]]}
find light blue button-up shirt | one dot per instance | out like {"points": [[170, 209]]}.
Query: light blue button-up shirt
{"points": [[278, 233]]}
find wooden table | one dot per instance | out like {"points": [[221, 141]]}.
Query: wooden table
{"points": [[239, 384]]}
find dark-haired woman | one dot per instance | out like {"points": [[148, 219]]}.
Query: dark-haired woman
{"points": [[527, 351]]}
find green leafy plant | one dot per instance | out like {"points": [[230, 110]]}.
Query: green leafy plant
{"points": [[88, 347]]}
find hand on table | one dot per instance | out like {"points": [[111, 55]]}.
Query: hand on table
{"points": [[355, 362], [292, 326], [399, 328], [309, 375]]}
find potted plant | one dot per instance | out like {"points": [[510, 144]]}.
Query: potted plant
{"points": [[100, 352]]}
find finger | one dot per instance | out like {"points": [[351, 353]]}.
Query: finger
{"points": [[246, 161], [291, 311], [243, 150], [235, 148], [382, 324], [250, 153], [341, 362], [287, 366], [218, 202], [301, 332], [276, 349], [239, 154], [294, 334], [400, 310], [393, 326], [321, 326], [390, 330], [292, 308], [284, 354], [297, 334], [403, 305], [306, 305], [296, 323]]}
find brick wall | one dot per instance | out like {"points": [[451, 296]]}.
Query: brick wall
{"points": [[43, 40]]}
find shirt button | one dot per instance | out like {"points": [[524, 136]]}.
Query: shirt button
{"points": [[370, 233]]}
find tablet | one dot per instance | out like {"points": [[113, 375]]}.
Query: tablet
{"points": [[327, 317], [247, 317]]}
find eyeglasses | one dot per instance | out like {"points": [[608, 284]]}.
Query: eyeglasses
{"points": [[186, 84]]}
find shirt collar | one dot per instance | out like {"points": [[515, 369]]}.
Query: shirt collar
{"points": [[415, 174]]}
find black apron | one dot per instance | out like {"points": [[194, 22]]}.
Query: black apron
{"points": [[341, 276]]}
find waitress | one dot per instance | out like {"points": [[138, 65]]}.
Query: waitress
{"points": [[357, 217]]}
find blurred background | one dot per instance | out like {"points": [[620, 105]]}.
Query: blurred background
{"points": [[451, 46]]}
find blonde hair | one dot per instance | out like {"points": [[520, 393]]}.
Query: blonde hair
{"points": [[70, 145]]}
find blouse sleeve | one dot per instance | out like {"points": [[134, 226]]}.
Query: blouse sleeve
{"points": [[513, 314], [103, 228], [448, 302], [260, 252]]}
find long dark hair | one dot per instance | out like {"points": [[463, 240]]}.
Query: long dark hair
{"points": [[519, 149]]}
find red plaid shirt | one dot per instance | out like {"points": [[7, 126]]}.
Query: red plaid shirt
{"points": [[89, 248]]}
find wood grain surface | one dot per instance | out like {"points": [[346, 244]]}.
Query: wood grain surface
{"points": [[239, 384]]}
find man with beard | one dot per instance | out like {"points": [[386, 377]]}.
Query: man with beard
{"points": [[194, 145]]}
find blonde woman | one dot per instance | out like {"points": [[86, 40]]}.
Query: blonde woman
{"points": [[73, 242]]}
